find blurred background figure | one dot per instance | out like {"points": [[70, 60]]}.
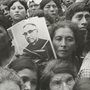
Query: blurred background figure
{"points": [[9, 80], [52, 8], [66, 3], [82, 84]]}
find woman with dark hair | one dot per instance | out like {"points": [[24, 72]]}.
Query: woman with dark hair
{"points": [[17, 10], [67, 41], [58, 75], [27, 70], [52, 8]]}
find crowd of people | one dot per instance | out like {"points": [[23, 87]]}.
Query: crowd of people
{"points": [[68, 23]]}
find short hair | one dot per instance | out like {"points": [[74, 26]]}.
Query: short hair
{"points": [[23, 2], [82, 84], [75, 29], [9, 74], [55, 67], [76, 7]]}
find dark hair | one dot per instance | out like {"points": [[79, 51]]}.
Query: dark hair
{"points": [[54, 67], [82, 84], [76, 7], [23, 2], [75, 29], [23, 62], [4, 22], [57, 2]]}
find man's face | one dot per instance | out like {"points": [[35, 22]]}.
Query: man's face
{"points": [[81, 18], [30, 33]]}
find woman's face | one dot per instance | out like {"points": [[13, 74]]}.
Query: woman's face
{"points": [[29, 78], [51, 9], [62, 81], [17, 11], [64, 42], [9, 85]]}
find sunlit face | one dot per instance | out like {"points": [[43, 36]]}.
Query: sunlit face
{"points": [[51, 9], [30, 33], [64, 42], [68, 2], [33, 6], [81, 18], [29, 78], [4, 38], [17, 11], [9, 85], [62, 81]]}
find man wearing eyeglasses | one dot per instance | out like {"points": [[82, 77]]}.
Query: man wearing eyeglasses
{"points": [[37, 46]]}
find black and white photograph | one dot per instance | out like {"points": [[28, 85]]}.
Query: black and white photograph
{"points": [[44, 44]]}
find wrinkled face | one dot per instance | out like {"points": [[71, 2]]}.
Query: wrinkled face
{"points": [[29, 78], [62, 81], [81, 18], [30, 33], [4, 38], [51, 9], [68, 2], [33, 6], [9, 85], [17, 11], [64, 42]]}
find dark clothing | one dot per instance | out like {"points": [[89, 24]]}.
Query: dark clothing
{"points": [[41, 50]]}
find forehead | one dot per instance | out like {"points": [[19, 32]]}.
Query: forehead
{"points": [[51, 3], [61, 76], [81, 13], [28, 73], [29, 27], [64, 31], [17, 3]]}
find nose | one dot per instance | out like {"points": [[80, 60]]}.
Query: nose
{"points": [[84, 21], [33, 8], [51, 8], [27, 86], [63, 43], [65, 86], [16, 10]]}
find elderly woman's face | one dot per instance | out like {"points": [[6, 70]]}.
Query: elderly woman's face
{"points": [[64, 42], [51, 9], [9, 85], [62, 81], [17, 11]]}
